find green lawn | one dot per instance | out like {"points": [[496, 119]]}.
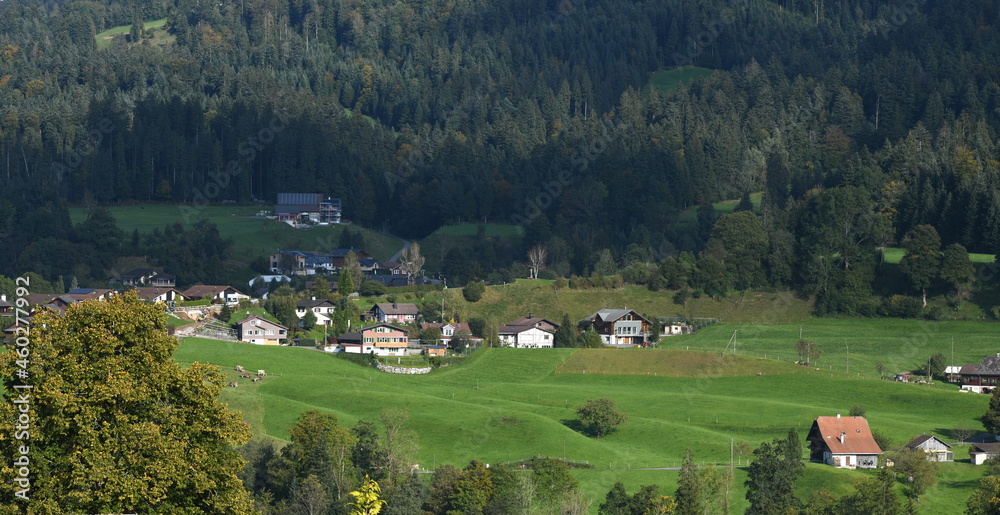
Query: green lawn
{"points": [[252, 237], [723, 207], [506, 404], [673, 78], [898, 344], [156, 27], [895, 254]]}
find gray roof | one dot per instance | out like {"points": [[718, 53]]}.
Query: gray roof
{"points": [[311, 303], [991, 365], [402, 308], [923, 438], [610, 315]]}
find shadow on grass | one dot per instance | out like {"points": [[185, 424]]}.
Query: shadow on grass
{"points": [[577, 426]]}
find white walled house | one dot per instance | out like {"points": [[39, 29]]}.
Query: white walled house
{"points": [[321, 308], [526, 337], [844, 442]]}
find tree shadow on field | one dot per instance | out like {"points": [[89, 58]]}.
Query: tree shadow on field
{"points": [[577, 426]]}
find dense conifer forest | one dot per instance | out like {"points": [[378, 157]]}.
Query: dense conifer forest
{"points": [[865, 123]]}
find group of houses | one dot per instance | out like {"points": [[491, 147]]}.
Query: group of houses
{"points": [[848, 442], [616, 327], [305, 263]]}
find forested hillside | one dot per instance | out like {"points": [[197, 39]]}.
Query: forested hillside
{"points": [[860, 120]]}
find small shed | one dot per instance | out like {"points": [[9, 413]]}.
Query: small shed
{"points": [[980, 452]]}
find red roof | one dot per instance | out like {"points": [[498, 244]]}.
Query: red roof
{"points": [[845, 435]]}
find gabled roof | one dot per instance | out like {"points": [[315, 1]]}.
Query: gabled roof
{"points": [[383, 324], [349, 337], [152, 292], [5, 304], [844, 435], [988, 448], [990, 365], [611, 315], [401, 308], [517, 329], [916, 442], [312, 303], [140, 272], [459, 326], [969, 370], [252, 317], [532, 321]]}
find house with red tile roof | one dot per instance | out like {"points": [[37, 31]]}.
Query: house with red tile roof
{"points": [[844, 442]]}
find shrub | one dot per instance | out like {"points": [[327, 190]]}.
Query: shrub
{"points": [[473, 291], [548, 275], [372, 289], [902, 306]]}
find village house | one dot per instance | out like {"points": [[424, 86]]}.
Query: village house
{"points": [[399, 313], [309, 208], [935, 448], [260, 331], [378, 339], [297, 262], [217, 294], [159, 295], [321, 308], [619, 326], [981, 378], [448, 330], [528, 332], [6, 308], [149, 277], [844, 442]]}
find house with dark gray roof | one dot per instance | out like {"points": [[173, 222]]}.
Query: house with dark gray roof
{"points": [[619, 326], [981, 378], [401, 312]]}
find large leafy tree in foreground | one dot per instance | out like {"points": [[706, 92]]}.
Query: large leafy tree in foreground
{"points": [[116, 425]]}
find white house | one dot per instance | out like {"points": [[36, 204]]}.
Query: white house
{"points": [[528, 333], [980, 452], [321, 308]]}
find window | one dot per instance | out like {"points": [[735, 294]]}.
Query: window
{"points": [[270, 332], [369, 340]]}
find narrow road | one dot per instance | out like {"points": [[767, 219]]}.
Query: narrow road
{"points": [[406, 245]]}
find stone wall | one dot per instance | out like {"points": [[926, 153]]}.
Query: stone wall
{"points": [[403, 370]]}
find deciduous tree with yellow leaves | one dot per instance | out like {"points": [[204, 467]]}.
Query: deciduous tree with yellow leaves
{"points": [[116, 426]]}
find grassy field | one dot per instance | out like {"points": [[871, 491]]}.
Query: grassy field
{"points": [[723, 207], [252, 237], [859, 344], [673, 78], [155, 28], [511, 301], [895, 254], [506, 404]]}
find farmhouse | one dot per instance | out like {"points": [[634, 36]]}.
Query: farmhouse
{"points": [[935, 448], [528, 332], [226, 294], [261, 331], [981, 378], [5, 307], [322, 309], [307, 208], [619, 326], [844, 442], [980, 452], [384, 340], [393, 312]]}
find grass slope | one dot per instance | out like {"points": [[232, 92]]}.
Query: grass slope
{"points": [[511, 301], [668, 80], [899, 344], [252, 236], [895, 255], [506, 404], [156, 27]]}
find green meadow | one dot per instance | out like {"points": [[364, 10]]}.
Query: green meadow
{"points": [[507, 404], [674, 78], [155, 27], [852, 346], [251, 236]]}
